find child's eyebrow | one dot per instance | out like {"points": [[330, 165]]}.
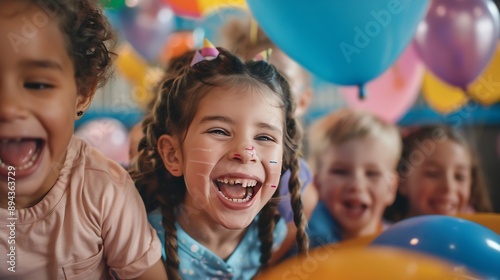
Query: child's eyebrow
{"points": [[46, 64], [228, 120]]}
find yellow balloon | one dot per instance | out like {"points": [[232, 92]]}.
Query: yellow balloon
{"points": [[486, 88], [208, 6], [489, 220], [441, 96], [131, 65], [365, 263], [136, 70]]}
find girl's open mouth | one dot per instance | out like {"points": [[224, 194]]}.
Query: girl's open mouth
{"points": [[21, 153], [237, 190]]}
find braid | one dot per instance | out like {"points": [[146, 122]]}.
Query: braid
{"points": [[148, 171], [172, 262], [298, 214], [294, 185], [150, 176], [267, 223]]}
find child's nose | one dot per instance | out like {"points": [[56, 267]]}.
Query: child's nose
{"points": [[448, 183], [11, 106], [356, 181], [244, 153]]}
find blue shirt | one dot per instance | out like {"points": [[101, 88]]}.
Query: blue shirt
{"points": [[322, 228], [199, 263], [305, 177]]}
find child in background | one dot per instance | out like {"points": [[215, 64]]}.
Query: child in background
{"points": [[354, 156], [220, 136], [74, 213], [244, 38], [439, 174]]}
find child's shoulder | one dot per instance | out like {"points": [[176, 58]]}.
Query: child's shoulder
{"points": [[96, 181], [92, 176], [95, 165]]}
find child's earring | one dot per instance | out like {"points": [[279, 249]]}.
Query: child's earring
{"points": [[79, 113]]}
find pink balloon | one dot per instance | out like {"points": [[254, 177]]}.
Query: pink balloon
{"points": [[107, 135], [458, 38], [394, 92]]}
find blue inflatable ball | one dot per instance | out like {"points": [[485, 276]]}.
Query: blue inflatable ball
{"points": [[464, 243]]}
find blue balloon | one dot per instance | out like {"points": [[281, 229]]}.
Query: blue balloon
{"points": [[343, 42], [461, 242]]}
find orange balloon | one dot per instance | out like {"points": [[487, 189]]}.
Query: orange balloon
{"points": [[357, 242], [365, 263], [489, 220], [187, 8], [177, 44]]}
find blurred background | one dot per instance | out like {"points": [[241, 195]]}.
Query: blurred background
{"points": [[415, 88]]}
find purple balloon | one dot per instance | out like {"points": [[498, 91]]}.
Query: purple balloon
{"points": [[146, 26], [457, 38]]}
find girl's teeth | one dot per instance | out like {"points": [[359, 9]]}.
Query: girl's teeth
{"points": [[245, 183], [247, 198], [25, 166]]}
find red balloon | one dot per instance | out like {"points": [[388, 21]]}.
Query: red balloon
{"points": [[186, 8], [457, 39]]}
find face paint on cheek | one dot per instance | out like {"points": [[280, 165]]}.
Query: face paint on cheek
{"points": [[201, 161], [199, 166], [273, 179], [273, 174]]}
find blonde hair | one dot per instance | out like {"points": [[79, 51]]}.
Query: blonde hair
{"points": [[348, 124]]}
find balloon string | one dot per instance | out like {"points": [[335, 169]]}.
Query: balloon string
{"points": [[362, 91]]}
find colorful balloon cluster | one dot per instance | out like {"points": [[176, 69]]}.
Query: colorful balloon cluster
{"points": [[455, 40], [343, 42], [370, 45], [425, 247]]}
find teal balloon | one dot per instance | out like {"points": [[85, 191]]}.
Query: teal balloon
{"points": [[463, 243], [346, 42]]}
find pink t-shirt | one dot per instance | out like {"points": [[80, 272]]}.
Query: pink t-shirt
{"points": [[93, 219]]}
